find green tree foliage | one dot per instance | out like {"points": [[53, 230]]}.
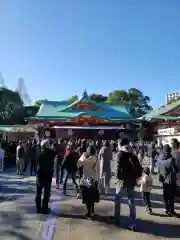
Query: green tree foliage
{"points": [[38, 103], [11, 107], [139, 101], [73, 98], [140, 104], [118, 95], [98, 97], [31, 111], [136, 100]]}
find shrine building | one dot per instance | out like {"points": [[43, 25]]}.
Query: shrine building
{"points": [[84, 117], [166, 122]]}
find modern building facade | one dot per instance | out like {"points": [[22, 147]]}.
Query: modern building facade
{"points": [[172, 97]]}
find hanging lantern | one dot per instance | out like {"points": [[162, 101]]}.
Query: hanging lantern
{"points": [[47, 134], [70, 132], [101, 132]]}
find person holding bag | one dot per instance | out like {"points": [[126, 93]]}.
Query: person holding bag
{"points": [[89, 181]]}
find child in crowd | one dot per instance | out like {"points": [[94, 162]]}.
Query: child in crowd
{"points": [[146, 186]]}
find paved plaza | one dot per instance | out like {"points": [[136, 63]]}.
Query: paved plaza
{"points": [[66, 221], [18, 218], [71, 224]]}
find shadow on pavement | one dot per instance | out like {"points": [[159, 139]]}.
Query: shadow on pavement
{"points": [[17, 235], [143, 226], [11, 190], [164, 215], [17, 182], [157, 199], [20, 221], [12, 225], [10, 173]]}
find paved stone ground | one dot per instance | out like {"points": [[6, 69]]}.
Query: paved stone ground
{"points": [[18, 218], [17, 211], [71, 225], [19, 221]]}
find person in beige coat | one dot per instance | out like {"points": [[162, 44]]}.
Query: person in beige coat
{"points": [[105, 158], [90, 165]]}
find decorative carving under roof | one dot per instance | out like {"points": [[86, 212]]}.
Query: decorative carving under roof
{"points": [[174, 112], [86, 105]]}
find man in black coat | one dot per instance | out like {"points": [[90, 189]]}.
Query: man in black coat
{"points": [[45, 165], [128, 170], [59, 151], [33, 157], [152, 153], [70, 167]]}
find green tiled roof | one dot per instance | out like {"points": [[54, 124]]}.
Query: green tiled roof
{"points": [[63, 110], [160, 113]]}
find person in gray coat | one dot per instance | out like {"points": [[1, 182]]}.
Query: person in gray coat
{"points": [[167, 176], [176, 155], [105, 158]]}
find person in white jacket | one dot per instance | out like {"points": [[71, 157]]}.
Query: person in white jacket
{"points": [[146, 187], [90, 165]]}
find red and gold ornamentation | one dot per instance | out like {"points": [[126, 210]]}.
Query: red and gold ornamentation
{"points": [[85, 105]]}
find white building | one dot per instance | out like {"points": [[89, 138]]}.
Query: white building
{"points": [[165, 135], [166, 121], [172, 96]]}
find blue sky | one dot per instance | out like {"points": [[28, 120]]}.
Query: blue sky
{"points": [[61, 47]]}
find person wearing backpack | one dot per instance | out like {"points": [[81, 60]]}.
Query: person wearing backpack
{"points": [[128, 170]]}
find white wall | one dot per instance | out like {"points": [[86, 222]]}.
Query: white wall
{"points": [[167, 139]]}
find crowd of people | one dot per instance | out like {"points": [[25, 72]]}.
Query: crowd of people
{"points": [[88, 164]]}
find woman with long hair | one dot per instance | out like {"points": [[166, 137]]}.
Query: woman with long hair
{"points": [[89, 181]]}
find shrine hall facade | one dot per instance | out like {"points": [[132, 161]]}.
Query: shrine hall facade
{"points": [[83, 114]]}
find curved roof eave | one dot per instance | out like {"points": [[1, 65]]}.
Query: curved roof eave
{"points": [[84, 97]]}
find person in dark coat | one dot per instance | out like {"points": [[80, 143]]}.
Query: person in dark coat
{"points": [[128, 170], [167, 176], [152, 153], [176, 155], [59, 152], [70, 167], [45, 165], [33, 157]]}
